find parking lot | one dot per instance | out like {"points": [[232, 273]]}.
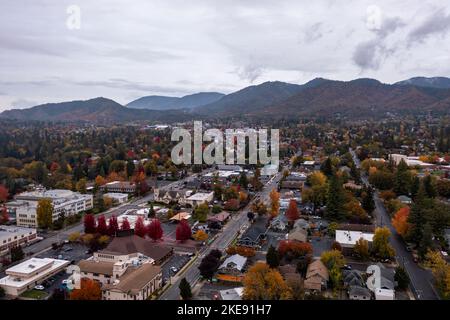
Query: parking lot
{"points": [[71, 252], [176, 262]]}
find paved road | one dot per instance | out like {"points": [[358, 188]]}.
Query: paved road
{"points": [[421, 279], [63, 234], [228, 233]]}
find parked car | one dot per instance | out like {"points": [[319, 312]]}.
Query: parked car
{"points": [[174, 270], [347, 267], [39, 287]]}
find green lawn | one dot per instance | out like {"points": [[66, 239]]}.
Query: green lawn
{"points": [[34, 294]]}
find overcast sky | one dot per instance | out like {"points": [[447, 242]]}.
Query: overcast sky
{"points": [[127, 49]]}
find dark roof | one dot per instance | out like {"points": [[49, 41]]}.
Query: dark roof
{"points": [[255, 230], [356, 227], [358, 291], [352, 278], [134, 244]]}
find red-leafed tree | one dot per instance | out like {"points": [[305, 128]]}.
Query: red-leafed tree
{"points": [[139, 227], [125, 225], [4, 216], [113, 226], [294, 248], [102, 228], [183, 231], [292, 213], [3, 193], [155, 230], [89, 224]]}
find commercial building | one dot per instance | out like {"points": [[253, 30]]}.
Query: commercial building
{"points": [[65, 202], [119, 186], [117, 198], [28, 274], [12, 236], [199, 198], [347, 239]]}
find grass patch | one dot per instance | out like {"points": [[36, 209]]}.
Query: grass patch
{"points": [[34, 294]]}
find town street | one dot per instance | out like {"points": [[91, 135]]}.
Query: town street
{"points": [[421, 279], [226, 236]]}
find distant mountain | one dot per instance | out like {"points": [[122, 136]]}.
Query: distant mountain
{"points": [[98, 110], [360, 98], [435, 82], [165, 103], [252, 98]]}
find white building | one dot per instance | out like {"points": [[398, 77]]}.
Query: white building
{"points": [[117, 198], [347, 239], [12, 236], [64, 202], [28, 274], [199, 198], [410, 161], [269, 170]]}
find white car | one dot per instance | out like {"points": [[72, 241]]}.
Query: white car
{"points": [[66, 281], [39, 287], [174, 269]]}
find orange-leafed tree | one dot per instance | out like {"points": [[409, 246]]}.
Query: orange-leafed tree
{"points": [[292, 213], [89, 290], [263, 283], [99, 181], [400, 221], [274, 202]]}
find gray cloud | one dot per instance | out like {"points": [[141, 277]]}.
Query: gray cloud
{"points": [[178, 47], [437, 23], [370, 54]]}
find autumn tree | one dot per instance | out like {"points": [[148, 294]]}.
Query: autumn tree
{"points": [[332, 259], [200, 235], [292, 213], [154, 230], [139, 227], [44, 213], [293, 249], [274, 202], [259, 207], [380, 245], [89, 223], [4, 216], [400, 221], [200, 213], [183, 231], [102, 227], [361, 249], [264, 283], [125, 225], [3, 193], [113, 226], [89, 290]]}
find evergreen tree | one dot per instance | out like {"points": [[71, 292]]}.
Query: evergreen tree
{"points": [[272, 257], [327, 167], [416, 216], [185, 289], [335, 199], [402, 179], [415, 185], [426, 241], [430, 189], [368, 203], [130, 168]]}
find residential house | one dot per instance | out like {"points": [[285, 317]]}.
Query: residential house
{"points": [[119, 186], [279, 223], [317, 276], [356, 292], [199, 198], [404, 199], [232, 294], [381, 281], [254, 235], [171, 196], [231, 269], [298, 234]]}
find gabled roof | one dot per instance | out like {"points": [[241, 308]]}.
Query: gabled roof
{"points": [[317, 268], [235, 261], [134, 280], [356, 290], [135, 244], [92, 266]]}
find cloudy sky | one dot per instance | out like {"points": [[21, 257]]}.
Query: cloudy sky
{"points": [[127, 49]]}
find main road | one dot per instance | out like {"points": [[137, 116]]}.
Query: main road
{"points": [[421, 279], [222, 241]]}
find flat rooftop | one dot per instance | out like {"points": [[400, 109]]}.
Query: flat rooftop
{"points": [[350, 237]]}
